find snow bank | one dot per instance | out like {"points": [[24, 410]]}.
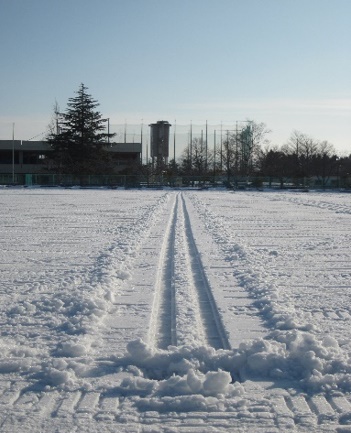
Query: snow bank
{"points": [[142, 372], [317, 366]]}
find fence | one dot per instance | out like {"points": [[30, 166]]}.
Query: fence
{"points": [[164, 180], [211, 134]]}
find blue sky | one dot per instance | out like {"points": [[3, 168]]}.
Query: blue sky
{"points": [[286, 63]]}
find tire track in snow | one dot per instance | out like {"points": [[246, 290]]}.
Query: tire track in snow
{"points": [[184, 311]]}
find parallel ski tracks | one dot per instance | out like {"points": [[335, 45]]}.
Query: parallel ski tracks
{"points": [[184, 310]]}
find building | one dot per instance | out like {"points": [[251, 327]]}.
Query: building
{"points": [[19, 159], [22, 156], [159, 139]]}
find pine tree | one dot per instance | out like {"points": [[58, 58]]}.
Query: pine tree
{"points": [[79, 143]]}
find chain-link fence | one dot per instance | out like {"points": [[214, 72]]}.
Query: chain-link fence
{"points": [[173, 181], [211, 134]]}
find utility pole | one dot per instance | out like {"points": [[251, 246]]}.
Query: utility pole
{"points": [[191, 144], [174, 141], [214, 155], [221, 147], [228, 161], [141, 142], [206, 144], [203, 163], [236, 149], [13, 153], [108, 131]]}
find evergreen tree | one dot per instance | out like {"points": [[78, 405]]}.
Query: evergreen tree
{"points": [[79, 143]]}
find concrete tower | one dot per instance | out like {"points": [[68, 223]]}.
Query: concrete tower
{"points": [[159, 139]]}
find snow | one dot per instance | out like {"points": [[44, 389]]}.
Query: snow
{"points": [[174, 311]]}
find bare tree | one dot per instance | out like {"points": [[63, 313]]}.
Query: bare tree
{"points": [[228, 155], [197, 157], [252, 138], [303, 148], [324, 162]]}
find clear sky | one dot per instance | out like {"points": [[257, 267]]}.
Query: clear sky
{"points": [[286, 63]]}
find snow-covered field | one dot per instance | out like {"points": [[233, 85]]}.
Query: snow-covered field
{"points": [[174, 311]]}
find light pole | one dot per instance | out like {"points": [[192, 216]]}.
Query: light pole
{"points": [[141, 141], [107, 120], [108, 130], [13, 153], [337, 171]]}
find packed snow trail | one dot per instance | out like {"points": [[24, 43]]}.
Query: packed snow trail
{"points": [[184, 309], [162, 328], [98, 334], [215, 335]]}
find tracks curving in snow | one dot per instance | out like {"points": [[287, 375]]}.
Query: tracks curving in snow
{"points": [[184, 310]]}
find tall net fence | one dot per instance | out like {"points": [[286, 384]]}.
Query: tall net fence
{"points": [[180, 137]]}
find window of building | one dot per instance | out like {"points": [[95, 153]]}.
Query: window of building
{"points": [[33, 157], [7, 155]]}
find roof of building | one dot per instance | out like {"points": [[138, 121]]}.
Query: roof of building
{"points": [[44, 146]]}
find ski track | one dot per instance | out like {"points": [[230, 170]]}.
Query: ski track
{"points": [[180, 309], [184, 310], [215, 335], [162, 329]]}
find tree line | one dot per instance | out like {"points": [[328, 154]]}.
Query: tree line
{"points": [[249, 154], [79, 146]]}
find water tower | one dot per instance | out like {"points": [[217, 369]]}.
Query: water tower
{"points": [[159, 140]]}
